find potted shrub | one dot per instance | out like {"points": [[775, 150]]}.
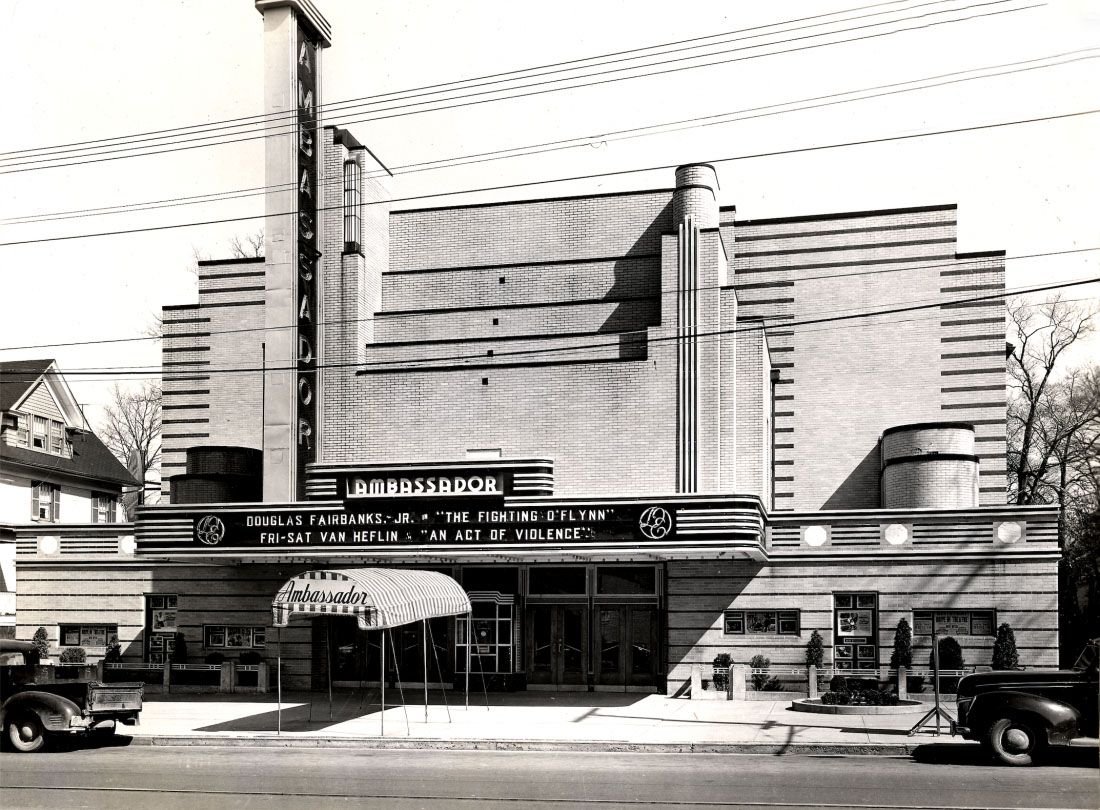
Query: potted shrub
{"points": [[951, 658], [902, 655], [41, 641], [73, 655], [720, 676], [761, 680], [1004, 649]]}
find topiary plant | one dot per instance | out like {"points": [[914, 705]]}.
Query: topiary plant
{"points": [[179, 649], [41, 642], [73, 655], [951, 658], [902, 656], [1004, 649], [721, 679], [815, 650], [113, 653]]}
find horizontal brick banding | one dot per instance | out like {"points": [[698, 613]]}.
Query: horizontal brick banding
{"points": [[216, 276], [997, 353], [196, 421], [191, 392], [836, 231], [955, 372], [490, 366], [211, 290], [967, 338], [972, 288], [232, 261], [503, 338], [186, 435], [962, 388], [971, 321], [833, 248], [849, 263], [521, 265], [170, 349], [985, 302], [763, 284], [181, 407], [184, 320], [470, 206], [178, 335], [954, 406], [925, 209], [532, 305]]}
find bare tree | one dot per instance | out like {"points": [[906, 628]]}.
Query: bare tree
{"points": [[249, 246], [132, 430], [1047, 407]]}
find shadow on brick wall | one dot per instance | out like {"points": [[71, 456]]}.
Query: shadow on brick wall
{"points": [[860, 490]]}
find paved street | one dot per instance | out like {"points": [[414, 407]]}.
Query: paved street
{"points": [[120, 776]]}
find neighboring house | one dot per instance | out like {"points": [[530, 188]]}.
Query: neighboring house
{"points": [[53, 469]]}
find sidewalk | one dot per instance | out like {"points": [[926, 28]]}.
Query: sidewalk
{"points": [[523, 721]]}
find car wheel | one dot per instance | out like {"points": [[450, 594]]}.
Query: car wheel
{"points": [[1015, 742], [25, 733]]}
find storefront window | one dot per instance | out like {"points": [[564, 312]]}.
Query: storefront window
{"points": [[488, 635], [220, 636], [88, 635], [160, 626], [954, 622], [761, 622]]}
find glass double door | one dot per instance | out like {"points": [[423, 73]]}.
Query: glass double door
{"points": [[557, 646], [618, 644]]}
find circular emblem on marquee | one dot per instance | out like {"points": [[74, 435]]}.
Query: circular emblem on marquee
{"points": [[655, 523], [210, 530]]}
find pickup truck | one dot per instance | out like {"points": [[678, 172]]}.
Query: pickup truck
{"points": [[1016, 714], [33, 706]]}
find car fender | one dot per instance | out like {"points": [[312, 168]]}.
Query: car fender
{"points": [[54, 712], [1061, 719]]}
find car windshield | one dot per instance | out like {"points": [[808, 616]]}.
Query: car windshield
{"points": [[1088, 657]]}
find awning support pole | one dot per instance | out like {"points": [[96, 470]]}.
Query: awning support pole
{"points": [[328, 662], [382, 675], [400, 688], [279, 678], [424, 645], [469, 641], [439, 669]]}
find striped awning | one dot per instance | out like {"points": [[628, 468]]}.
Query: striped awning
{"points": [[378, 597]]}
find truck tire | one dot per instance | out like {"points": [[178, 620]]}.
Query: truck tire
{"points": [[1016, 742], [25, 733]]}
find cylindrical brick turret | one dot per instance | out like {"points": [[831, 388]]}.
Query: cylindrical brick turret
{"points": [[696, 195], [219, 474], [929, 465]]}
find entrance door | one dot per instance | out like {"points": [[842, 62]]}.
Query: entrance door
{"points": [[557, 649], [627, 646]]}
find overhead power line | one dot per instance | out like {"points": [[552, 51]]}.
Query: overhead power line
{"points": [[261, 118], [660, 293], [716, 119], [403, 364], [590, 176], [109, 154]]}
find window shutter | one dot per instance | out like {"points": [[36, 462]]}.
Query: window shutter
{"points": [[56, 500], [95, 508], [34, 499]]}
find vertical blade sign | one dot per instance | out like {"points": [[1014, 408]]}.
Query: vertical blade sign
{"points": [[308, 148]]}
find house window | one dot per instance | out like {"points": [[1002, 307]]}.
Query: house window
{"points": [[40, 436], [45, 501], [762, 622], [57, 438], [954, 622], [228, 637], [88, 635], [22, 429], [104, 508], [353, 198]]}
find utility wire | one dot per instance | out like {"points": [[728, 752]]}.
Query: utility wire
{"points": [[108, 155], [716, 119], [591, 176], [261, 118], [660, 294], [403, 364]]}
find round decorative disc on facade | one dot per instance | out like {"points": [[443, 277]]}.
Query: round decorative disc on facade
{"points": [[896, 534], [127, 546], [1009, 532], [655, 523], [210, 530], [49, 545], [815, 536]]}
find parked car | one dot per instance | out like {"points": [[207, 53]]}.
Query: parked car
{"points": [[1018, 713], [34, 704]]}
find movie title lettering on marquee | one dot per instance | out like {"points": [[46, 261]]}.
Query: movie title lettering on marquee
{"points": [[308, 147], [400, 486]]}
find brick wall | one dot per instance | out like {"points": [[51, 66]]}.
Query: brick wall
{"points": [[212, 352]]}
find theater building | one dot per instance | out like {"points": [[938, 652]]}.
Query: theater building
{"points": [[640, 428]]}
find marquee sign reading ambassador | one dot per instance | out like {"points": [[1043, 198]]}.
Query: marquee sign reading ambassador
{"points": [[432, 524]]}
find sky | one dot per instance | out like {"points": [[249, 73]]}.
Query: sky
{"points": [[82, 72]]}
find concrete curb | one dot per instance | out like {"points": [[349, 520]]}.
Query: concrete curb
{"points": [[603, 746]]}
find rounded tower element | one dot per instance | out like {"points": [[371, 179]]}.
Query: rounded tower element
{"points": [[696, 195], [930, 465]]}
